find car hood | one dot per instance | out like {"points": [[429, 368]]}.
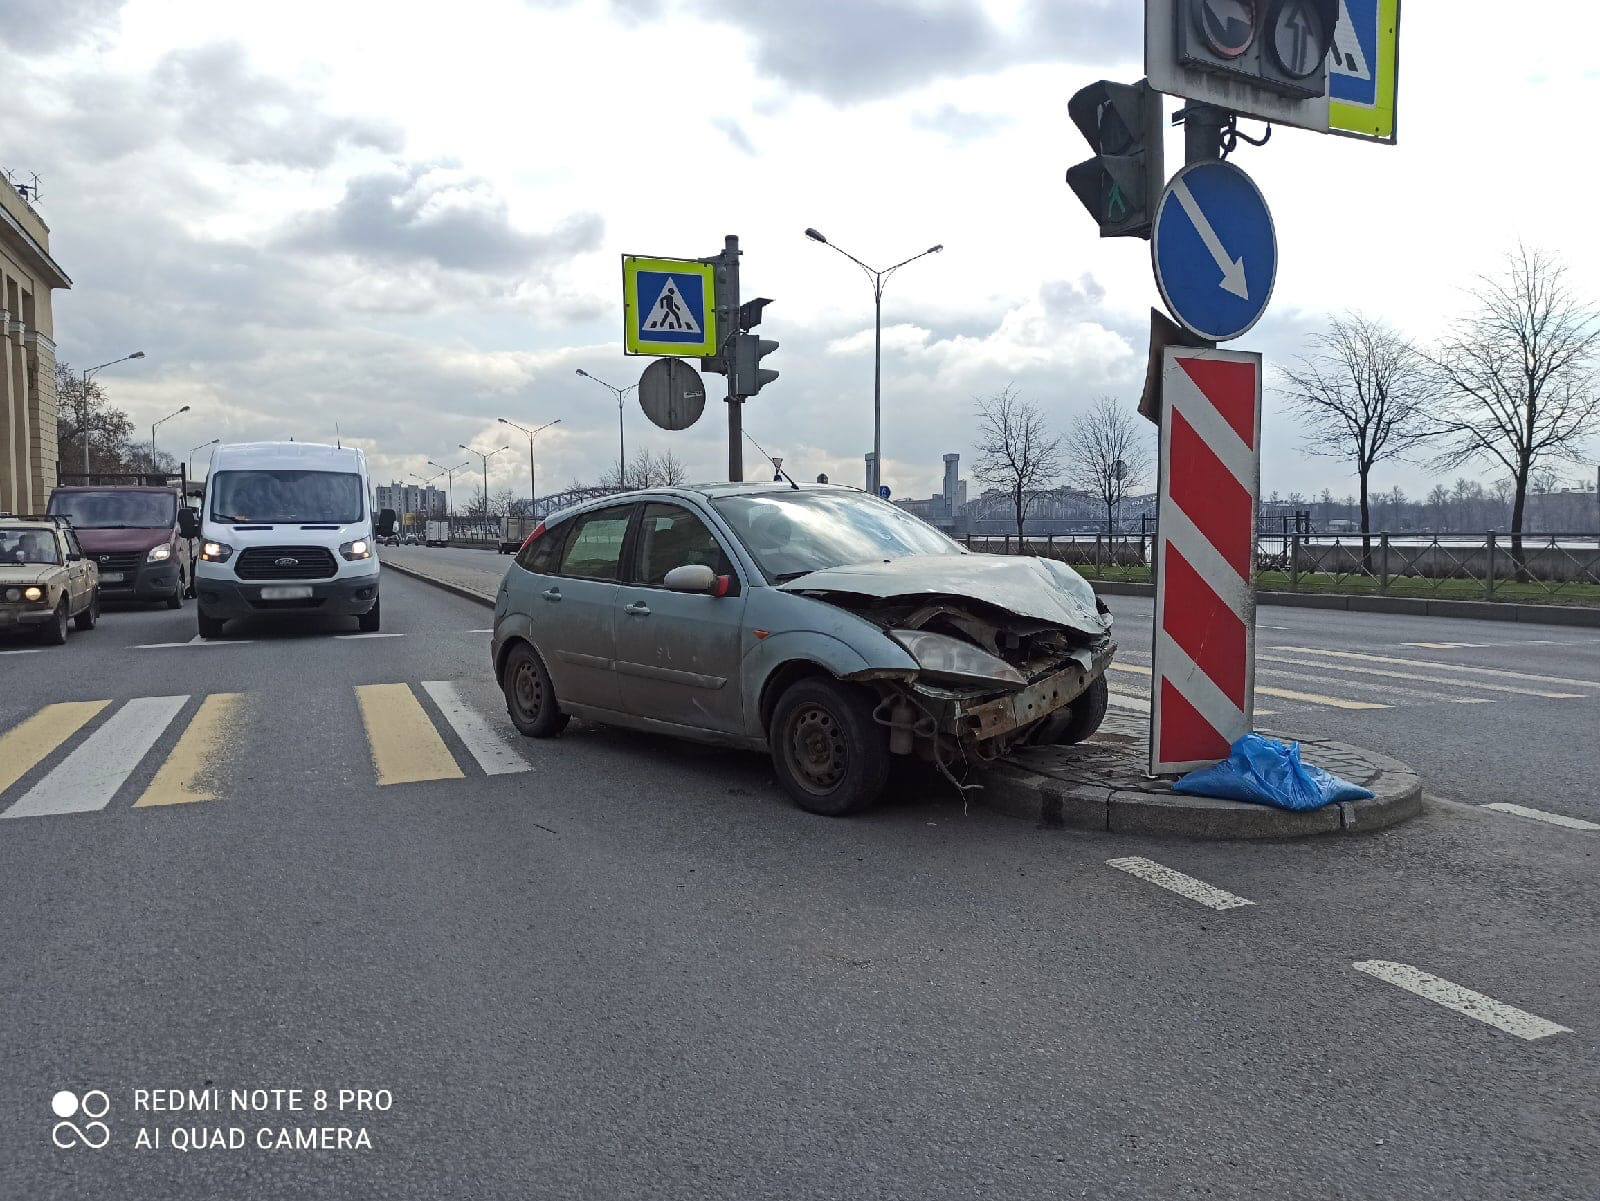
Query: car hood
{"points": [[1040, 589], [142, 538], [29, 573]]}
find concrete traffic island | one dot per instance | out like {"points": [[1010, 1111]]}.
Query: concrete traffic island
{"points": [[1100, 785]]}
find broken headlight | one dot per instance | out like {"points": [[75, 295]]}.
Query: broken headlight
{"points": [[950, 658]]}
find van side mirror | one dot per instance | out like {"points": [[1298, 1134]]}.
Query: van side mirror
{"points": [[386, 522], [188, 522]]}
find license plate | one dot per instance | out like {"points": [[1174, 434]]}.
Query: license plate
{"points": [[288, 592], [111, 577]]}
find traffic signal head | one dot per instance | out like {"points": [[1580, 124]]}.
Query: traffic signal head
{"points": [[748, 351], [750, 312], [1279, 45], [1122, 184]]}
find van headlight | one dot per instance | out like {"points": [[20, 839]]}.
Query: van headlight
{"points": [[33, 594], [216, 552], [159, 554], [359, 549]]}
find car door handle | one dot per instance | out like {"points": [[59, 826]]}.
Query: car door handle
{"points": [[637, 609], [551, 594]]}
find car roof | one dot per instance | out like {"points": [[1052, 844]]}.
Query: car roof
{"points": [[167, 489], [711, 491]]}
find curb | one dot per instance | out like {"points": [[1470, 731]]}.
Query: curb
{"points": [[1416, 606], [458, 589], [1057, 804]]}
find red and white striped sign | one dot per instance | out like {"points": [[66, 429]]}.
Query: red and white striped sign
{"points": [[1202, 687]]}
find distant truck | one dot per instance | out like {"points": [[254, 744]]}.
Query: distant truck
{"points": [[514, 532], [128, 525], [437, 534]]}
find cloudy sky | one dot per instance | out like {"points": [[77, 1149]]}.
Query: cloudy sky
{"points": [[408, 220]]}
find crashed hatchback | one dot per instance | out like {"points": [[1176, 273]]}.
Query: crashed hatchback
{"points": [[819, 624]]}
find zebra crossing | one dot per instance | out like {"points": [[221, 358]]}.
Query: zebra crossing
{"points": [[78, 757]]}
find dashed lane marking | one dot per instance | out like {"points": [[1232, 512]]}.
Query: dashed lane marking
{"points": [[1174, 881], [195, 641], [354, 637], [1390, 674], [494, 754], [1539, 815], [27, 650], [1499, 673], [25, 746], [189, 771], [1463, 1000], [88, 778], [406, 748]]}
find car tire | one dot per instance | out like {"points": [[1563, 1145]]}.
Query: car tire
{"points": [[55, 633], [90, 615], [530, 696], [175, 601], [372, 620], [1087, 712], [831, 757], [209, 627]]}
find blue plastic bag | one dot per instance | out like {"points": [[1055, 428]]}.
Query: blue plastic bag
{"points": [[1267, 772]]}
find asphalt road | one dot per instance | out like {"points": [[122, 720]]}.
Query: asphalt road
{"points": [[616, 966]]}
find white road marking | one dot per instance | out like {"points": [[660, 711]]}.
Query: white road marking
{"points": [[494, 754], [196, 641], [1127, 700], [480, 631], [1448, 646], [1196, 890], [1438, 666], [352, 637], [88, 778], [27, 650], [1388, 673], [1539, 815], [1463, 1000]]}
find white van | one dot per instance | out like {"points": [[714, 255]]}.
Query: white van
{"points": [[287, 527]]}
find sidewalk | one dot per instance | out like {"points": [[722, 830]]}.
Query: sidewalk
{"points": [[1100, 785]]}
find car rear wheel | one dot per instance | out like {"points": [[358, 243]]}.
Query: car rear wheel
{"points": [[86, 619], [831, 757], [1087, 712], [208, 627], [530, 696], [56, 632], [372, 619]]}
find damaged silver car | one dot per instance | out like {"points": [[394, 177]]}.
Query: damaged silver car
{"points": [[818, 624]]}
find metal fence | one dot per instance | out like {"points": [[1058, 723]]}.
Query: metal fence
{"points": [[1532, 569]]}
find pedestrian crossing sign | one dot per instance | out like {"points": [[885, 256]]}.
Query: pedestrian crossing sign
{"points": [[669, 307]]}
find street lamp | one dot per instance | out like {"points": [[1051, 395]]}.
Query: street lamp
{"points": [[153, 428], [622, 445], [449, 486], [83, 422], [195, 451], [533, 474], [878, 278], [427, 483], [485, 458]]}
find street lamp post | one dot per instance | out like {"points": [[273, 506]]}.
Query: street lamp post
{"points": [[83, 415], [449, 487], [485, 458], [153, 428], [197, 450], [878, 278], [533, 473], [427, 483], [622, 445]]}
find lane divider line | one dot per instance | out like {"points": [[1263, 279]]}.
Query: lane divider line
{"points": [[87, 779], [1437, 666], [190, 771], [1539, 815], [1175, 881], [494, 754], [354, 637], [406, 748], [1386, 674], [1463, 1000], [196, 641], [25, 746]]}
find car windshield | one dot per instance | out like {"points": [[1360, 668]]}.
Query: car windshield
{"points": [[116, 509], [286, 497], [29, 546], [790, 534]]}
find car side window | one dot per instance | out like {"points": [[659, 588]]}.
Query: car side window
{"points": [[594, 548], [540, 556], [671, 536]]}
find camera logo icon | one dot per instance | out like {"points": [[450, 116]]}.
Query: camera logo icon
{"points": [[93, 1133]]}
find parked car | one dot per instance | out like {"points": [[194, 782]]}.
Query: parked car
{"points": [[132, 532], [819, 624], [46, 581]]}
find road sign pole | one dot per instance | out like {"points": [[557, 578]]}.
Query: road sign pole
{"points": [[730, 254], [1202, 133]]}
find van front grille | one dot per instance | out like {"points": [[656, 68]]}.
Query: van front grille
{"points": [[286, 563]]}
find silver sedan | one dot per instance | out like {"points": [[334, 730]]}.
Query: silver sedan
{"points": [[818, 624]]}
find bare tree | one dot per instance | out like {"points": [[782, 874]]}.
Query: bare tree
{"points": [[648, 470], [1108, 453], [1016, 453], [80, 414], [1367, 395], [1520, 376], [500, 503]]}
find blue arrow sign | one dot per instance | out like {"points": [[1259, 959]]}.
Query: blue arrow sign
{"points": [[1215, 250]]}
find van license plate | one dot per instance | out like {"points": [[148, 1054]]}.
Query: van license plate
{"points": [[111, 577], [289, 592]]}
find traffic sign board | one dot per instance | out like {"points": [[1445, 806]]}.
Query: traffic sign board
{"points": [[1215, 250], [883, 491], [672, 394], [668, 307], [1363, 70]]}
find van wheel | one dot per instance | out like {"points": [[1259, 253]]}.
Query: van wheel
{"points": [[56, 632], [175, 601], [530, 696], [86, 619], [208, 627], [831, 757], [371, 619]]}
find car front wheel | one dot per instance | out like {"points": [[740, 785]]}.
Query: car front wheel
{"points": [[530, 697], [1087, 712], [831, 757]]}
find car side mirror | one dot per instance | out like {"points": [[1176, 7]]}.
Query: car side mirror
{"points": [[188, 522], [692, 577], [386, 522]]}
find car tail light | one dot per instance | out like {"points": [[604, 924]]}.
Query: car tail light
{"points": [[533, 537]]}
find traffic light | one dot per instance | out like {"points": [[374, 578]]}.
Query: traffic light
{"points": [[748, 351], [1121, 186], [1280, 45]]}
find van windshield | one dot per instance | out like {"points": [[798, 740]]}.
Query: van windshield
{"points": [[116, 509], [286, 497]]}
